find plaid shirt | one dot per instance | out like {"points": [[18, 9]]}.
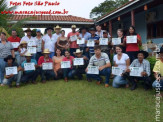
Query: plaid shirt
{"points": [[145, 65]]}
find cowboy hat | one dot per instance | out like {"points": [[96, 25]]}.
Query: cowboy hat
{"points": [[28, 54], [46, 51], [92, 29], [73, 26], [28, 30], [49, 28], [78, 51], [57, 27], [23, 42], [160, 51], [144, 53], [9, 57]]}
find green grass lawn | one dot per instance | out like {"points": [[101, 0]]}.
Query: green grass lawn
{"points": [[76, 101]]}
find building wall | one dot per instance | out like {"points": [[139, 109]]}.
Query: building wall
{"points": [[140, 24]]}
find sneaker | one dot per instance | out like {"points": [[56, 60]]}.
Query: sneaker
{"points": [[66, 80], [17, 86], [98, 82], [106, 85]]}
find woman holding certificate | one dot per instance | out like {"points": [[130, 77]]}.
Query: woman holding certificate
{"points": [[132, 42], [122, 61]]}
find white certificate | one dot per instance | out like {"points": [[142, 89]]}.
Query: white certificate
{"points": [[131, 39], [136, 71], [116, 41], [78, 61], [47, 66], [91, 43], [31, 50], [11, 70], [32, 43], [73, 38], [15, 44], [81, 41], [93, 70], [117, 71], [104, 41], [65, 64], [29, 66]]}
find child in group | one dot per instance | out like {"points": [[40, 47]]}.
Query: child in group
{"points": [[22, 51]]}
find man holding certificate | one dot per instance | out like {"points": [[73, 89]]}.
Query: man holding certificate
{"points": [[29, 67], [132, 43], [140, 70], [12, 73], [100, 60], [66, 65], [72, 37], [95, 39], [80, 63], [46, 66], [158, 70]]}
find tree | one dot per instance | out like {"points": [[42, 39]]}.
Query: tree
{"points": [[106, 7]]}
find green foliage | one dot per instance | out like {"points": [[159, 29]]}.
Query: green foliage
{"points": [[152, 61], [106, 7]]}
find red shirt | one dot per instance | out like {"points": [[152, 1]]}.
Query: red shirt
{"points": [[133, 47], [42, 60], [11, 39], [74, 43], [70, 59]]}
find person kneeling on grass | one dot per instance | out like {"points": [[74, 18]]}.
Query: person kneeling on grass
{"points": [[30, 72], [67, 72], [102, 60], [158, 70], [46, 73], [12, 77], [78, 70], [122, 61], [145, 75]]}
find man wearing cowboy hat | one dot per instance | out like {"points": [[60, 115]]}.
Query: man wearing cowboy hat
{"points": [[10, 62], [49, 41], [145, 75], [28, 37], [158, 71], [29, 75], [57, 34], [73, 43], [80, 69], [45, 74]]}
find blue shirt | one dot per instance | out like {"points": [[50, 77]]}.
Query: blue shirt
{"points": [[86, 36], [32, 61], [91, 49]]}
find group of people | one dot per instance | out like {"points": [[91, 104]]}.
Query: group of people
{"points": [[55, 56]]}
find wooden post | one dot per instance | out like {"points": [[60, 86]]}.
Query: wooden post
{"points": [[110, 28], [132, 18]]}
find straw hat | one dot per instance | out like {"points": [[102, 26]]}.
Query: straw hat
{"points": [[23, 42], [78, 51], [28, 54], [73, 26], [46, 51], [57, 27], [28, 30]]}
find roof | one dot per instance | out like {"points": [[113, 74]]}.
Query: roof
{"points": [[121, 7], [68, 18]]}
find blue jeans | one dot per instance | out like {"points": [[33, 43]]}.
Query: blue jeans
{"points": [[14, 78], [26, 77], [2, 69], [118, 81], [67, 72], [46, 74], [72, 50], [84, 51], [132, 55], [17, 56], [105, 72], [51, 55], [157, 84], [38, 55]]}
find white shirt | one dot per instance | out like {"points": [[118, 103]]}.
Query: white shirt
{"points": [[122, 62], [49, 42], [38, 44], [25, 38], [55, 36]]}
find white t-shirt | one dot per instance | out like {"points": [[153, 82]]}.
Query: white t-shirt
{"points": [[55, 36], [49, 42], [39, 44], [25, 38], [122, 62]]}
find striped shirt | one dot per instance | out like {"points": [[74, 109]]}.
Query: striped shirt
{"points": [[5, 49], [103, 60], [145, 65]]}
